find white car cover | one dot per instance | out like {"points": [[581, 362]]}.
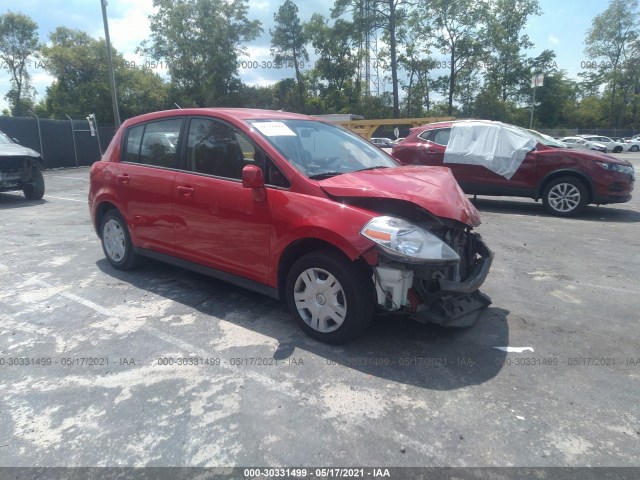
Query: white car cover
{"points": [[499, 147]]}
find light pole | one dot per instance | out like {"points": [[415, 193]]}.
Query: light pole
{"points": [[536, 81], [112, 75]]}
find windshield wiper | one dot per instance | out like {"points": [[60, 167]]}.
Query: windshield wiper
{"points": [[371, 168], [320, 176]]}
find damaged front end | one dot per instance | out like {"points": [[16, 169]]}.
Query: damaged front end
{"points": [[16, 171], [431, 269], [429, 264]]}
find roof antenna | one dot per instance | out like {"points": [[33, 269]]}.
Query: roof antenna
{"points": [[178, 106]]}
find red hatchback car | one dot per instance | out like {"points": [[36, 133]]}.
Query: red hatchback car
{"points": [[294, 208], [491, 158]]}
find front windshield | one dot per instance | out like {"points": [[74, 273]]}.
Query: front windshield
{"points": [[545, 139], [321, 150], [4, 139]]}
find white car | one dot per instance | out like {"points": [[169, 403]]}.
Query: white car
{"points": [[611, 145], [582, 144], [382, 142], [633, 145]]}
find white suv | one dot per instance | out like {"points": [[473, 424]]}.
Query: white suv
{"points": [[611, 145]]}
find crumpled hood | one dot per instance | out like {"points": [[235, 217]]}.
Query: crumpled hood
{"points": [[433, 188], [15, 150]]}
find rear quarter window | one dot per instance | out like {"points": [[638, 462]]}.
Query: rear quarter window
{"points": [[134, 139]]}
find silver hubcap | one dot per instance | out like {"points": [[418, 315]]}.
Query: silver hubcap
{"points": [[564, 197], [114, 240], [320, 300]]}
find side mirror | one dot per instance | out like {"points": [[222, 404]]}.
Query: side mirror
{"points": [[252, 177], [16, 140]]}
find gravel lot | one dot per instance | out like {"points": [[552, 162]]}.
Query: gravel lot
{"points": [[93, 373]]}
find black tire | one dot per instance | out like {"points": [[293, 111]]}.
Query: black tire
{"points": [[565, 196], [617, 149], [634, 148], [116, 241], [34, 189], [356, 295]]}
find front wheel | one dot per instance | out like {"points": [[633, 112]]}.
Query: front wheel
{"points": [[565, 197], [116, 241], [330, 297], [34, 189], [634, 148]]}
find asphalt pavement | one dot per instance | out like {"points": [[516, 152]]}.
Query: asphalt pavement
{"points": [[163, 367]]}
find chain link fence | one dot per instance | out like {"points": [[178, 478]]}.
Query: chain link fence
{"points": [[62, 143]]}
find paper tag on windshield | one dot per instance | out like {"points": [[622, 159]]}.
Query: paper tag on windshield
{"points": [[274, 129]]}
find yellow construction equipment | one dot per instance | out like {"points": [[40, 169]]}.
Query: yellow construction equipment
{"points": [[365, 128]]}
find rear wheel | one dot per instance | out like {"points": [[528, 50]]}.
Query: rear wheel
{"points": [[565, 197], [116, 241], [330, 297], [34, 189], [617, 149], [634, 148]]}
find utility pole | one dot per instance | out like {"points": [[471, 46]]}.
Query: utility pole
{"points": [[114, 98]]}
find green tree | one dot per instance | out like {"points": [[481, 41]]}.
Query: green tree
{"points": [[78, 63], [337, 61], [418, 82], [590, 112], [610, 38], [556, 101], [201, 41], [335, 72], [460, 25], [631, 87], [288, 41], [506, 19], [386, 15], [18, 44]]}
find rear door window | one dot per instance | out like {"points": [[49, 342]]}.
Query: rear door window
{"points": [[441, 136], [154, 143]]}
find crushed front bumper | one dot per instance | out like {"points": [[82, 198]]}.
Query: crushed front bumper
{"points": [[15, 172], [445, 294]]}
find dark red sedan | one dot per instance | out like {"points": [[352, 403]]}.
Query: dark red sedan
{"points": [[296, 209], [492, 158]]}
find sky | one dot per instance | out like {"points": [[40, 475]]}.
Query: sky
{"points": [[562, 27]]}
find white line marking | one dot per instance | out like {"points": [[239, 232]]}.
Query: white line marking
{"points": [[515, 349], [175, 341], [285, 388], [68, 199], [72, 178]]}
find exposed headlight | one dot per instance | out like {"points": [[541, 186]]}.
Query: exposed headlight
{"points": [[614, 167], [403, 240]]}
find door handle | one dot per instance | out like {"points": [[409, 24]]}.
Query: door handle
{"points": [[124, 178], [185, 191]]}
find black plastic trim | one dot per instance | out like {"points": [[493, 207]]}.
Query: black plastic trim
{"points": [[477, 276]]}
